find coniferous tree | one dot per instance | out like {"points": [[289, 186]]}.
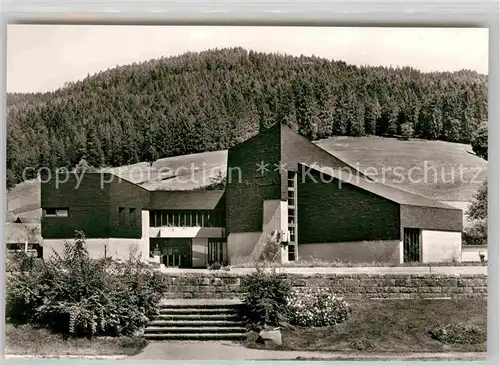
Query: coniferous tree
{"points": [[480, 142], [215, 99]]}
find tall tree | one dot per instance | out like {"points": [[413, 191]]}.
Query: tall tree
{"points": [[480, 142]]}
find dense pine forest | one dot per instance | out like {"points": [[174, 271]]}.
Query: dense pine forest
{"points": [[211, 100]]}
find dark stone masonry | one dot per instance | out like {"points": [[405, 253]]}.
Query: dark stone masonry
{"points": [[354, 286]]}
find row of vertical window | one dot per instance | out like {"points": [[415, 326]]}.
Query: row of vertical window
{"points": [[291, 216], [217, 251], [208, 218]]}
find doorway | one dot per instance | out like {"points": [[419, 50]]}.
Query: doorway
{"points": [[175, 252], [217, 251], [411, 245]]}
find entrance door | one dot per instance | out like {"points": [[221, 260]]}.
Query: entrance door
{"points": [[411, 242], [175, 258], [177, 252], [217, 251]]}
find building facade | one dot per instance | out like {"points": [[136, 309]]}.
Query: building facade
{"points": [[279, 187]]}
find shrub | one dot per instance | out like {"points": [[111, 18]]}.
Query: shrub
{"points": [[265, 295], [271, 251], [317, 308], [19, 261], [477, 234], [458, 333], [215, 266], [76, 295]]}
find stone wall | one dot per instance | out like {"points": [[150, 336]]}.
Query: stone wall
{"points": [[364, 286]]}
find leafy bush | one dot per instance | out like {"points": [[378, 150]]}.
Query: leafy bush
{"points": [[19, 261], [215, 266], [265, 295], [458, 333], [271, 251], [317, 308], [477, 234], [76, 295]]}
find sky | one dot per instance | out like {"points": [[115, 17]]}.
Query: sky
{"points": [[43, 57]]}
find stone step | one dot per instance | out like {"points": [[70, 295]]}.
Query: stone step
{"points": [[195, 336], [167, 310], [186, 330], [197, 323], [200, 304], [230, 316]]}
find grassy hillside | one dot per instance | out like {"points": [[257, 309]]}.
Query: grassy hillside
{"points": [[23, 201], [362, 152]]}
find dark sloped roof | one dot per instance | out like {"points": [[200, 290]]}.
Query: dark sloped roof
{"points": [[186, 200], [296, 148], [382, 190]]}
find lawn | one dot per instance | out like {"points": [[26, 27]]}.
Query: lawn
{"points": [[26, 340], [391, 326]]}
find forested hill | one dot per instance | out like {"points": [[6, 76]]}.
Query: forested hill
{"points": [[214, 99]]}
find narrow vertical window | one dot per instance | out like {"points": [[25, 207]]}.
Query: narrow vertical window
{"points": [[411, 245]]}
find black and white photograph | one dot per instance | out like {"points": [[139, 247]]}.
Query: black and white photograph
{"points": [[246, 193]]}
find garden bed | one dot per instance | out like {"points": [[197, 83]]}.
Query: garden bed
{"points": [[391, 326], [26, 340], [317, 263]]}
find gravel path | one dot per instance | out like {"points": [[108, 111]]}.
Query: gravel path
{"points": [[234, 351]]}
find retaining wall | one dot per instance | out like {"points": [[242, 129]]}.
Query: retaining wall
{"points": [[362, 286]]}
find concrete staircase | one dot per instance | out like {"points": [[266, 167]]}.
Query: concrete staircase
{"points": [[197, 319]]}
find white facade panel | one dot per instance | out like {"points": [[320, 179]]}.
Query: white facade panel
{"points": [[441, 246], [473, 253], [200, 250], [186, 232]]}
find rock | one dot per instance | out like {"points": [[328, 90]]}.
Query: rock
{"points": [[271, 337]]}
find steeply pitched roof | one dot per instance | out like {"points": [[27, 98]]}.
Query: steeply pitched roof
{"points": [[382, 190], [186, 200], [296, 148], [184, 172]]}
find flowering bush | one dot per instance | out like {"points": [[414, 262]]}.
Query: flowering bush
{"points": [[74, 294], [317, 308], [458, 334]]}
